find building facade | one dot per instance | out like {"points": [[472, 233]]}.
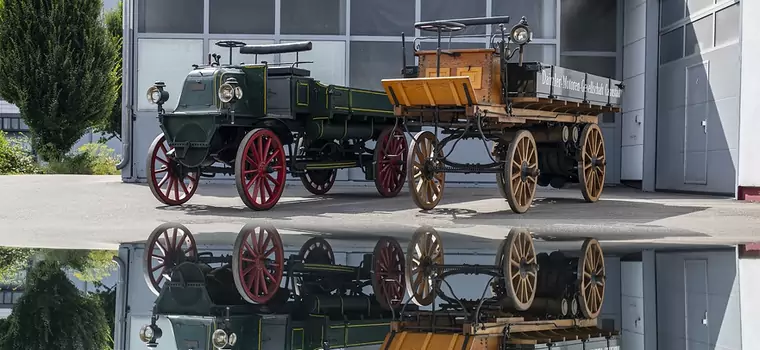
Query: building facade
{"points": [[679, 59]]}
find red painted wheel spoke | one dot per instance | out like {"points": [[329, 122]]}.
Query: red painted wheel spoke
{"points": [[159, 257], [277, 168], [161, 170], [184, 188], [268, 189], [269, 275], [251, 250], [268, 252], [263, 282], [160, 278], [265, 151], [261, 191], [275, 153], [259, 150], [260, 241], [253, 180], [270, 178], [159, 266]]}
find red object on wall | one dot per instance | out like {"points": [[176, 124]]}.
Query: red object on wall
{"points": [[749, 250], [751, 194]]}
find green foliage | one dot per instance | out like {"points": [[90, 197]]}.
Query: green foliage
{"points": [[113, 20], [54, 314], [90, 159], [61, 73], [12, 261], [88, 265], [14, 159], [106, 296]]}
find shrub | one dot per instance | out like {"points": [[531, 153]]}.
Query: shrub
{"points": [[90, 159], [14, 159], [53, 314]]}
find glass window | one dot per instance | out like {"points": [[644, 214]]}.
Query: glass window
{"points": [[589, 25], [699, 35], [329, 59], [237, 57], [160, 16], [694, 6], [384, 17], [374, 61], [727, 25], [601, 66], [540, 14], [325, 17], [240, 17], [671, 11], [671, 45], [453, 9], [167, 60]]}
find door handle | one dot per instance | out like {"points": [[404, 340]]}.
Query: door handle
{"points": [[704, 320], [704, 126]]}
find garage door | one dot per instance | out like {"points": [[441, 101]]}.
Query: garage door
{"points": [[698, 96]]}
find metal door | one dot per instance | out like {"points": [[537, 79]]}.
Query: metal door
{"points": [[695, 130], [696, 305]]}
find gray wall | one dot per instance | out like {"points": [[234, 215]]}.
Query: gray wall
{"points": [[698, 96], [698, 304]]}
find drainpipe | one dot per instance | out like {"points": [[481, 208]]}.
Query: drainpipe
{"points": [[120, 328], [126, 87]]}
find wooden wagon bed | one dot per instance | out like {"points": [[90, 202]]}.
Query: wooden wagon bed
{"points": [[469, 84], [520, 331]]}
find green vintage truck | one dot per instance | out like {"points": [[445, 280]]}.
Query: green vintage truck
{"points": [[239, 119]]}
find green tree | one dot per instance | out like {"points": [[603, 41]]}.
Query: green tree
{"points": [[114, 24], [12, 261], [57, 65], [54, 314]]}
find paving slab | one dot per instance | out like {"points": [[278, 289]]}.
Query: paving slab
{"points": [[70, 211]]}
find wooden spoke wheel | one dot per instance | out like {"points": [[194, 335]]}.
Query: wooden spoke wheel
{"points": [[258, 263], [315, 251], [591, 279], [320, 181], [517, 256], [388, 282], [167, 246], [390, 161], [592, 163], [424, 254], [170, 182], [260, 169], [520, 172], [425, 184]]}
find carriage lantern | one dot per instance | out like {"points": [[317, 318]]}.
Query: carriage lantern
{"points": [[520, 33], [157, 94], [150, 333], [221, 340], [230, 92]]}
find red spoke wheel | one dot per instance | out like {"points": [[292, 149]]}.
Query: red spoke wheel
{"points": [[258, 263], [260, 169], [319, 182], [169, 181], [315, 251], [388, 282], [390, 162], [167, 246]]}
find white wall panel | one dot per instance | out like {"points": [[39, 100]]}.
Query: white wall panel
{"points": [[749, 289], [168, 60], [634, 24], [633, 59], [329, 59], [237, 57]]}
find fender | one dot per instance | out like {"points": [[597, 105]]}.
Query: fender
{"points": [[278, 126]]}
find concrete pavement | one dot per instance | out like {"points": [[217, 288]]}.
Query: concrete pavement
{"points": [[61, 211]]}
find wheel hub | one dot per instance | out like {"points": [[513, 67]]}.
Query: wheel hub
{"points": [[526, 171], [428, 169]]}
